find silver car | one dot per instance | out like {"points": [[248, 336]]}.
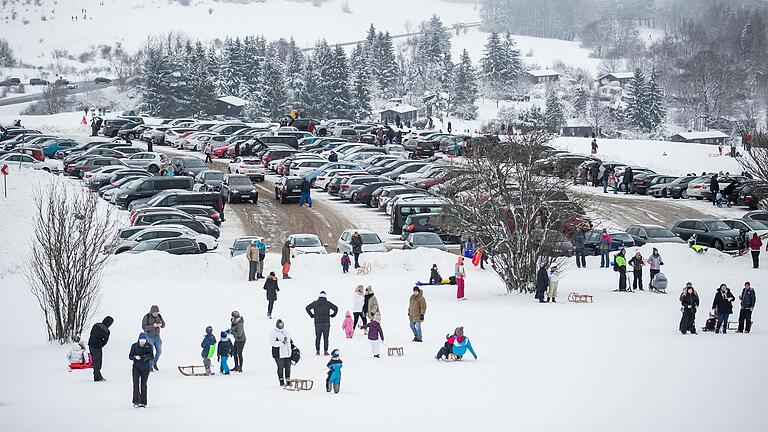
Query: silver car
{"points": [[149, 161]]}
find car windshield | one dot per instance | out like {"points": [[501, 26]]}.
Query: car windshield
{"points": [[251, 162], [307, 242], [659, 233], [717, 226], [146, 245], [755, 225], [621, 236], [157, 198], [427, 239], [241, 245], [194, 163], [240, 181], [214, 175], [370, 238]]}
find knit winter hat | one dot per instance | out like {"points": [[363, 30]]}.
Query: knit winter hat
{"points": [[322, 294], [209, 330], [236, 314], [154, 308], [335, 353], [224, 335], [142, 335]]}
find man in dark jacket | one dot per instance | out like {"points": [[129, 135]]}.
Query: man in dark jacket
{"points": [[593, 173], [748, 300], [542, 282], [333, 157], [714, 188], [578, 243], [306, 196], [723, 307], [97, 341], [357, 247], [627, 180], [690, 302], [141, 354], [322, 311], [151, 324]]}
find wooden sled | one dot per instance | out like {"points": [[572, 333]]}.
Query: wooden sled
{"points": [[579, 298], [190, 370], [395, 351], [733, 325], [298, 384], [364, 269], [453, 358]]}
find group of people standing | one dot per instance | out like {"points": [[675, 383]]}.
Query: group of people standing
{"points": [[722, 308]]}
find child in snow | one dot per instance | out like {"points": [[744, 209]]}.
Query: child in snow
{"points": [[434, 276], [334, 373], [223, 353], [345, 263], [78, 357], [209, 349], [456, 344], [554, 278], [374, 334], [348, 325]]}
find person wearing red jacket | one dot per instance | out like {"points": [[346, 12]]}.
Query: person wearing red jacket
{"points": [[754, 245]]}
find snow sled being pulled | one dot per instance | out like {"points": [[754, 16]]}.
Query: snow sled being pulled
{"points": [[298, 384], [190, 370]]}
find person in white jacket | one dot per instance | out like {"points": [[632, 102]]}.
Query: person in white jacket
{"points": [[654, 262], [358, 300], [554, 278], [79, 352], [281, 351]]}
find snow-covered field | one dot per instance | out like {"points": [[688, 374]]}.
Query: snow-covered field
{"points": [[619, 361]]}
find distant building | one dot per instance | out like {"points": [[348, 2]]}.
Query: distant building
{"points": [[615, 77], [576, 128], [538, 76], [709, 137], [230, 106], [390, 114]]}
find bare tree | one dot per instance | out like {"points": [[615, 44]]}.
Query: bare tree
{"points": [[67, 258], [755, 160], [517, 216], [125, 66]]}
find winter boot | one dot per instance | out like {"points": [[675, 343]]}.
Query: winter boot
{"points": [[328, 387], [282, 382], [548, 299], [553, 300], [326, 353], [317, 352], [336, 387]]}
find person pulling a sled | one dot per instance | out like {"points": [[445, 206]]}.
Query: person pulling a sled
{"points": [[281, 351], [456, 344]]}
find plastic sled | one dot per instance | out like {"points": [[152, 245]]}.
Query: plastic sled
{"points": [[78, 366]]}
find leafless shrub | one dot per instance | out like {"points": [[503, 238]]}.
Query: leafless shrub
{"points": [[67, 258], [755, 160]]}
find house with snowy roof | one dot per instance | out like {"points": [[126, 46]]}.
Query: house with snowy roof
{"points": [[230, 106], [615, 77], [390, 113], [709, 137], [538, 76]]}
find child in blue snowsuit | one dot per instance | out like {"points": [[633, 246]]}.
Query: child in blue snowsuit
{"points": [[334, 372], [223, 353]]}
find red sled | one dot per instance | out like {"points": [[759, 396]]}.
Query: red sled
{"points": [[74, 366]]}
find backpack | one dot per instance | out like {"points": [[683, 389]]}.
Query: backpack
{"points": [[295, 354], [616, 265]]}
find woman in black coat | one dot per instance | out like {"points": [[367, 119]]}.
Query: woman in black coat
{"points": [[689, 301], [542, 283], [723, 307], [270, 285], [141, 354]]}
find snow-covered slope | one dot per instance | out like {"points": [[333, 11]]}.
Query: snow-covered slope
{"points": [[619, 362]]}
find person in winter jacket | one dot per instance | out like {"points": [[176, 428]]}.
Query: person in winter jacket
{"points": [[333, 157], [456, 344], [358, 303], [208, 150], [321, 310], [754, 246], [714, 188], [281, 351], [285, 259], [722, 305], [460, 274], [345, 263], [252, 254], [262, 255], [78, 356], [270, 286], [605, 249], [637, 262], [357, 247], [578, 240], [748, 300], [237, 330], [141, 354], [374, 334], [417, 307], [689, 301], [620, 265], [371, 304], [434, 276], [306, 193], [659, 283], [654, 263], [606, 177], [96, 343], [333, 381], [542, 282], [348, 325], [627, 180], [223, 352], [554, 279], [209, 349], [151, 324]]}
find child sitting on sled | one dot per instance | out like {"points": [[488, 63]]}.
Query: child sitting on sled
{"points": [[456, 344], [79, 357]]}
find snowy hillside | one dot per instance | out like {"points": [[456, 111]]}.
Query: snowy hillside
{"points": [[552, 367]]}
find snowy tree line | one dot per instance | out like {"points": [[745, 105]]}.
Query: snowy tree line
{"points": [[182, 77]]}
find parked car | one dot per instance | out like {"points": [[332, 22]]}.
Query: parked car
{"points": [[89, 163], [187, 166], [288, 188], [111, 127], [646, 233], [619, 239], [758, 215], [752, 194], [24, 161], [169, 198], [149, 161], [102, 80], [676, 189], [302, 244], [238, 187], [427, 240], [175, 246], [709, 232], [748, 227], [240, 244], [198, 224], [371, 241], [205, 242], [249, 166], [38, 81], [643, 184], [149, 186], [208, 180], [207, 211]]}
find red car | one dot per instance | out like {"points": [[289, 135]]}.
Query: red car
{"points": [[221, 152], [32, 151]]}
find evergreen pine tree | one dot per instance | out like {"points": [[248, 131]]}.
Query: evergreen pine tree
{"points": [[154, 80], [493, 68], [339, 100], [231, 75], [309, 95], [656, 109], [637, 101], [294, 79], [253, 53], [514, 65], [323, 63], [273, 99], [202, 87], [464, 91], [387, 70], [361, 84], [554, 117]]}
